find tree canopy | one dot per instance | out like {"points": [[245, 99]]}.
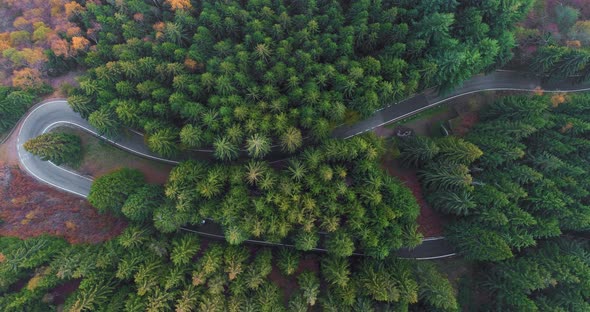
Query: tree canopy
{"points": [[237, 75], [13, 104], [527, 183], [336, 188], [110, 192], [143, 270], [552, 276]]}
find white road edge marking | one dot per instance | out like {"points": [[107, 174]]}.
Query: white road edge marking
{"points": [[427, 239], [434, 258], [109, 140], [19, 152], [314, 249], [463, 94], [45, 181]]}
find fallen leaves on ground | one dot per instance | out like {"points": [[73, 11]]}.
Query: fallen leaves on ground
{"points": [[29, 208]]}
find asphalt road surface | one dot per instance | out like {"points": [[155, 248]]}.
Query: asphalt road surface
{"points": [[48, 115], [496, 81]]}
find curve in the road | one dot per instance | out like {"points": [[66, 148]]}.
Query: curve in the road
{"points": [[48, 115], [51, 114]]}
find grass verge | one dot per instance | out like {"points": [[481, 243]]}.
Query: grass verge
{"points": [[99, 158], [425, 114]]}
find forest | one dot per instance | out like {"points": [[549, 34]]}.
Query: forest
{"points": [[263, 84], [519, 190], [525, 184], [13, 104], [146, 271], [336, 189], [238, 75], [38, 40]]}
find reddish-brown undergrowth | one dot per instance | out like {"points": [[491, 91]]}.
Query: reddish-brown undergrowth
{"points": [[464, 123], [29, 208], [288, 284], [431, 223]]}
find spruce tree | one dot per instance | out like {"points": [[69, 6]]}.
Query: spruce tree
{"points": [[58, 148]]}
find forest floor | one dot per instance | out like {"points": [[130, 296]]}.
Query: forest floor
{"points": [[288, 284], [542, 25], [431, 223], [62, 84], [99, 158], [29, 208]]}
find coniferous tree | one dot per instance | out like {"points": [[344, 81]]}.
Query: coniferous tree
{"points": [[547, 277], [141, 204], [418, 150], [224, 149], [336, 271], [435, 288], [58, 148], [257, 146], [109, 192], [288, 261], [310, 287], [164, 142], [104, 121]]}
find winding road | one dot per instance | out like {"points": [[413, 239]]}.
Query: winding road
{"points": [[50, 114]]}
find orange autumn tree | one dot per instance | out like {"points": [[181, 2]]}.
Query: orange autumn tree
{"points": [[191, 64], [27, 78], [60, 47], [558, 99], [73, 8], [4, 41], [79, 44], [33, 56], [179, 4], [33, 27]]}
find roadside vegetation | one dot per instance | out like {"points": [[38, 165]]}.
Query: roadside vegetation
{"points": [[99, 157], [146, 271], [427, 113], [13, 104], [336, 188]]}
